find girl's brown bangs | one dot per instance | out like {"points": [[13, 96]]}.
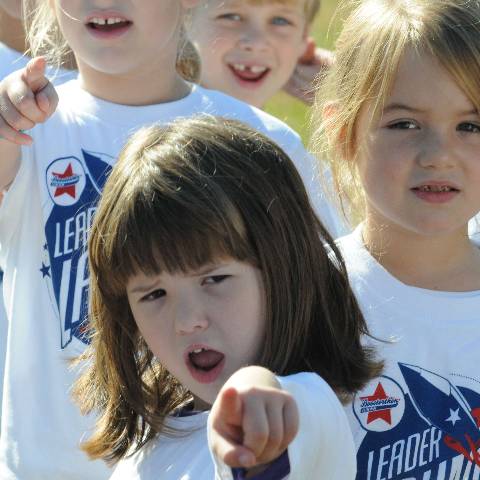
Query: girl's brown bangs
{"points": [[173, 233]]}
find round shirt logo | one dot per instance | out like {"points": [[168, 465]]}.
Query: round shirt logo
{"points": [[380, 406], [65, 181]]}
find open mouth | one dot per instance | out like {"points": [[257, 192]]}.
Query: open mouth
{"points": [[435, 188], [205, 364], [249, 73], [436, 193], [109, 25]]}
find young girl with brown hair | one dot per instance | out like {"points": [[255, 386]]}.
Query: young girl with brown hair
{"points": [[211, 284], [54, 161]]}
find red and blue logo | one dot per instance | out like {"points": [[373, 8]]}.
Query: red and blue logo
{"points": [[427, 430], [66, 181], [74, 185]]}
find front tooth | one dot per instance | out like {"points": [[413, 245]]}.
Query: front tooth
{"points": [[111, 21], [239, 66], [257, 69]]}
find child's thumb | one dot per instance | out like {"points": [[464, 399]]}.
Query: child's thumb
{"points": [[35, 74]]}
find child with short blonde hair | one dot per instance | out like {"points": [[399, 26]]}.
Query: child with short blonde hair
{"points": [[400, 120], [250, 49]]}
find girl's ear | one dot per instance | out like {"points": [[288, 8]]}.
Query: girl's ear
{"points": [[340, 141]]}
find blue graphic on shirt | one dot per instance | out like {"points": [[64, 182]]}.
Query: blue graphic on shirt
{"points": [[74, 185], [429, 432]]}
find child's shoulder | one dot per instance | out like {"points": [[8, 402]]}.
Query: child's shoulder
{"points": [[354, 253], [313, 454], [182, 452], [218, 103]]}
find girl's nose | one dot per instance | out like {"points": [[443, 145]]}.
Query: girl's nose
{"points": [[190, 317], [438, 152]]}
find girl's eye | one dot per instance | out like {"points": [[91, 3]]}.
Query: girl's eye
{"points": [[281, 21], [214, 279], [469, 127], [154, 295], [234, 17], [402, 125]]}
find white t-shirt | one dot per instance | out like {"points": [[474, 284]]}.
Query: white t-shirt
{"points": [[322, 450], [474, 229], [44, 219], [11, 60], [418, 420]]}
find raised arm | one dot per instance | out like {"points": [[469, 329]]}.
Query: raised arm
{"points": [[26, 98], [302, 82], [253, 420]]}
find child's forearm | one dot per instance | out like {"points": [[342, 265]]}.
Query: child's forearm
{"points": [[9, 163]]}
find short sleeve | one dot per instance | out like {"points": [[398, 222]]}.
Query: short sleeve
{"points": [[323, 448]]}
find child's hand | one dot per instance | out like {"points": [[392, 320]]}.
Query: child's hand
{"points": [[252, 420], [26, 98], [310, 64]]}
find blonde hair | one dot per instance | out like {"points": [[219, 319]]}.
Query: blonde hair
{"points": [[43, 33], [369, 49]]}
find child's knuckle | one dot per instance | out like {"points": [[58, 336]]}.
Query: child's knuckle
{"points": [[23, 101]]}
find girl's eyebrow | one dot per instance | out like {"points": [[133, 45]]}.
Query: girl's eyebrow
{"points": [[144, 287], [205, 270], [230, 4], [401, 106]]}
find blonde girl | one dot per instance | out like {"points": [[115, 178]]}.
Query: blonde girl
{"points": [[126, 52], [402, 127], [212, 285]]}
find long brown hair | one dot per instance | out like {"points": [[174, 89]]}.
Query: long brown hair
{"points": [[179, 197]]}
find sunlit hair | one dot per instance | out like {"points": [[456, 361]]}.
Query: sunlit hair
{"points": [[369, 49], [188, 62], [183, 196], [43, 33]]}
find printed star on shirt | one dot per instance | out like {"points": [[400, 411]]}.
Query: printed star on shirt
{"points": [[69, 189], [384, 414], [454, 416], [45, 270]]}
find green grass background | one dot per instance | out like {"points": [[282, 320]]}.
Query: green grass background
{"points": [[293, 112]]}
